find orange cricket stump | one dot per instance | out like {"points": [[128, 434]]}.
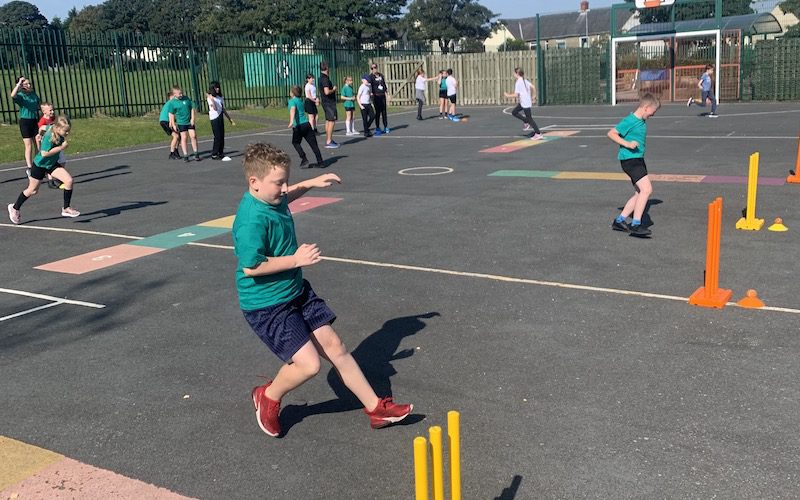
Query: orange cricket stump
{"points": [[749, 221], [794, 175], [710, 295], [751, 300]]}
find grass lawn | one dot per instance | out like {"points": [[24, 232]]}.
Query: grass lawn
{"points": [[95, 134]]}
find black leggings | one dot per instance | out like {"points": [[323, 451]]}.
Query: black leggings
{"points": [[419, 108], [367, 117], [527, 119], [218, 127], [304, 131], [380, 111]]}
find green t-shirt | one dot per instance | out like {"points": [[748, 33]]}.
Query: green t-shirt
{"points": [[632, 128], [28, 105], [347, 91], [261, 231], [164, 116], [182, 109], [299, 113], [443, 84], [48, 143]]}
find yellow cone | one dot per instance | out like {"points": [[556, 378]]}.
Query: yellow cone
{"points": [[778, 226]]}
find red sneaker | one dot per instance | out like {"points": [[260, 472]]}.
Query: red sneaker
{"points": [[387, 413], [267, 411]]}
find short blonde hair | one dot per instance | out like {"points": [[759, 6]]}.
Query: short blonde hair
{"points": [[649, 100], [261, 159]]}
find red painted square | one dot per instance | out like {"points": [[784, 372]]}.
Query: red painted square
{"points": [[99, 259], [310, 202]]}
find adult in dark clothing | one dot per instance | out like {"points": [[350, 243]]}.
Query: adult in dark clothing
{"points": [[328, 104], [378, 84]]}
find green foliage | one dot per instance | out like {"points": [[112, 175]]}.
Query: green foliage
{"points": [[513, 44], [18, 14], [447, 21], [90, 19]]}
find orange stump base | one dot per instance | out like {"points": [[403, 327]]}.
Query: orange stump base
{"points": [[793, 179], [718, 299]]}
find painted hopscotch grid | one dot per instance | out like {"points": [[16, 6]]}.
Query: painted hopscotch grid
{"points": [[528, 143], [118, 254], [620, 176]]}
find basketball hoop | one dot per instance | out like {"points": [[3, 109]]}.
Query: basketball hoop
{"points": [[649, 4]]}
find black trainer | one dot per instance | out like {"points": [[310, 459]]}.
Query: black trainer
{"points": [[303, 162], [640, 231], [186, 159], [620, 226]]}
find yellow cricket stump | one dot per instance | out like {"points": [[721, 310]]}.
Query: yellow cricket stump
{"points": [[454, 433], [434, 444], [421, 467], [749, 221]]}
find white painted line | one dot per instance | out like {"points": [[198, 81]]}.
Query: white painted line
{"points": [[431, 171], [494, 277], [66, 230], [23, 313], [60, 300], [143, 150]]}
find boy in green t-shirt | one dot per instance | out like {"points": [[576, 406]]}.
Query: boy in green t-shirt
{"points": [[163, 120], [301, 129], [349, 98], [280, 306], [631, 134], [181, 118]]}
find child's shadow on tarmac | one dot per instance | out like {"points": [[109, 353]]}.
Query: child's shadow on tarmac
{"points": [[647, 221], [374, 355]]}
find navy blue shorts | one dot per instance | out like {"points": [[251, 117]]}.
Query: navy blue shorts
{"points": [[635, 168], [185, 128], [286, 327]]}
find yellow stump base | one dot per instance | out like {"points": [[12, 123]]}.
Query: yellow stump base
{"points": [[750, 225], [716, 300]]}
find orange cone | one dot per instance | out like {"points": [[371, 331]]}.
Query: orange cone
{"points": [[751, 300]]}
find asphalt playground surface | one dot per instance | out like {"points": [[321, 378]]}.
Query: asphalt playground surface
{"points": [[454, 292]]}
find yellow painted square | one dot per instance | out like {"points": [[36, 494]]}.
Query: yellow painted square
{"points": [[225, 222], [19, 461]]}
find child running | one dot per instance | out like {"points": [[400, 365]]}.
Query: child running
{"points": [[163, 120], [631, 135], [47, 119], [526, 93], [365, 104], [349, 98], [310, 104], [182, 118], [301, 129], [278, 304], [706, 92], [46, 161]]}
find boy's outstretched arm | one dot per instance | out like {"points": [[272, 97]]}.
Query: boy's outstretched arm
{"points": [[614, 136], [301, 188], [306, 255]]}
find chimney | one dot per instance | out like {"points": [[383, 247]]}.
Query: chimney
{"points": [[584, 6]]}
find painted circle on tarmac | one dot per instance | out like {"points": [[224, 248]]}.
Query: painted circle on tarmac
{"points": [[425, 171]]}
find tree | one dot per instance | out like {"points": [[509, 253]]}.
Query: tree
{"points": [[129, 15], [513, 44], [21, 15], [90, 19], [447, 21], [175, 19], [792, 6]]}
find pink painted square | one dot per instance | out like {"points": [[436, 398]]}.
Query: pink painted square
{"points": [[310, 202], [99, 259]]}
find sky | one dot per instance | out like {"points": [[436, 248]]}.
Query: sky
{"points": [[504, 8]]}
